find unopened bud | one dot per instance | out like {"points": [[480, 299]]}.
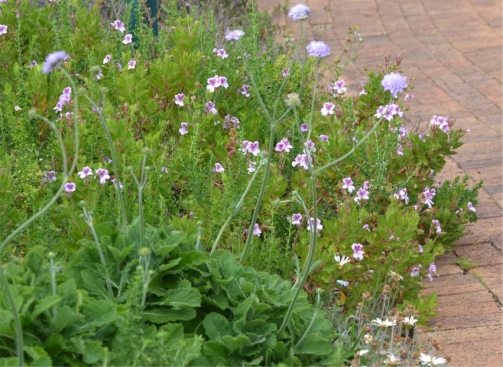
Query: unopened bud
{"points": [[293, 100]]}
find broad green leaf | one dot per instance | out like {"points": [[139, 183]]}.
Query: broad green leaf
{"points": [[235, 343], [39, 356], [94, 283], [216, 353], [171, 264], [45, 304], [98, 313], [314, 344], [216, 326], [183, 297], [64, 316], [8, 362], [218, 300]]}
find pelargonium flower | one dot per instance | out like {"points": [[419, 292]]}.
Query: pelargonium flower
{"points": [[299, 12], [251, 167], [103, 175], [428, 196], [394, 83], [471, 207], [233, 35], [70, 187], [399, 150], [318, 49], [358, 251], [223, 81], [344, 283], [389, 111], [107, 159], [285, 72], [256, 230], [117, 184], [49, 176], [33, 63], [218, 168], [436, 223], [432, 269], [118, 25], [131, 64], [323, 137], [220, 53], [183, 129], [128, 38], [53, 60], [210, 107], [301, 160], [107, 59], [3, 29], [213, 83], [304, 127], [296, 219], [408, 96], [253, 148], [338, 86], [319, 226], [402, 195], [179, 99], [347, 184], [420, 248], [164, 169], [284, 145], [441, 122], [86, 171], [244, 90], [328, 109], [366, 227], [415, 271]]}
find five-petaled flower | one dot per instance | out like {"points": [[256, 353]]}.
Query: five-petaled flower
{"points": [[301, 160], [86, 171], [128, 38], [107, 59], [70, 187], [103, 175], [251, 167], [296, 219], [256, 230], [118, 25], [394, 83], [415, 271], [347, 184], [244, 90], [210, 107], [436, 223], [220, 53], [183, 129], [361, 194], [358, 251], [218, 168], [319, 226], [284, 145], [3, 29], [328, 109], [323, 137], [339, 86], [471, 207], [131, 64], [49, 176], [428, 196], [179, 99]]}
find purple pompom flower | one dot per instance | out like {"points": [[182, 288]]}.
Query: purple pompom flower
{"points": [[394, 83], [299, 12], [53, 60], [318, 49]]}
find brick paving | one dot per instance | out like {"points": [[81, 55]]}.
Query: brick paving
{"points": [[453, 50]]}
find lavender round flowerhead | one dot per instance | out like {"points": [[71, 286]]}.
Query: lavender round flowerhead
{"points": [[394, 83], [318, 49], [53, 60], [299, 12]]}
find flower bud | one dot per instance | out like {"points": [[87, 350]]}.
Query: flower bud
{"points": [[51, 255], [293, 100], [144, 251]]}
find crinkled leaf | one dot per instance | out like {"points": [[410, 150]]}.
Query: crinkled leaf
{"points": [[64, 316], [162, 315], [183, 297], [45, 304], [216, 326]]}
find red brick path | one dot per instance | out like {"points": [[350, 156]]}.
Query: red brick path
{"points": [[453, 49]]}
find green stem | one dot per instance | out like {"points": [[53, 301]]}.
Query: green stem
{"points": [[309, 327], [238, 207]]}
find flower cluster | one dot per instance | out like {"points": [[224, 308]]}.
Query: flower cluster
{"points": [[338, 86], [299, 12], [233, 35], [220, 53], [389, 111], [441, 122], [429, 194], [216, 82], [102, 173], [64, 98], [402, 195], [248, 146]]}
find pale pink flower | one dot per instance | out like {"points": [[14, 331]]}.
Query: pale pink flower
{"points": [[183, 129], [357, 251], [328, 109], [128, 38], [70, 187], [118, 25], [218, 168], [86, 171], [107, 59], [296, 219], [348, 184], [256, 230], [319, 226]]}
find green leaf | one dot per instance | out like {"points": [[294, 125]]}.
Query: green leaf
{"points": [[45, 304], [216, 326], [39, 356], [183, 297], [314, 344], [162, 315], [94, 283], [8, 362], [216, 353], [171, 264], [236, 343], [218, 300], [98, 313], [64, 316]]}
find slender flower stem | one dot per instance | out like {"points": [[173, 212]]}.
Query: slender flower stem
{"points": [[238, 207], [114, 159], [89, 220], [313, 319]]}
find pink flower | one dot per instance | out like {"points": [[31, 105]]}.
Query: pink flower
{"points": [[70, 187], [107, 59], [220, 53], [366, 227], [285, 72], [233, 35], [319, 227], [328, 109], [415, 271], [179, 99], [103, 175], [338, 86], [86, 171], [301, 160], [348, 184], [428, 196], [323, 137], [210, 107], [49, 176], [118, 25], [131, 64], [361, 194], [253, 148], [3, 29], [256, 230], [432, 269], [183, 129], [218, 168], [437, 224], [244, 90], [402, 195], [284, 145], [251, 167], [357, 251], [304, 127], [296, 219], [128, 38], [471, 207]]}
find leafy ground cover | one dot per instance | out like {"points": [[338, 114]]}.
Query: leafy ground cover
{"points": [[199, 197]]}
